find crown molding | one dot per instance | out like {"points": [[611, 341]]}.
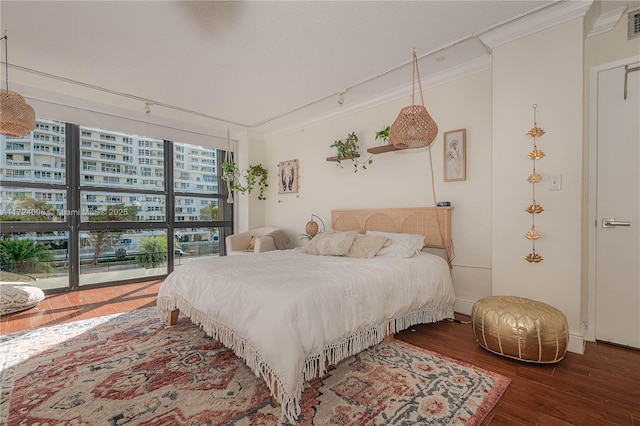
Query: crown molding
{"points": [[463, 70], [548, 17], [539, 21]]}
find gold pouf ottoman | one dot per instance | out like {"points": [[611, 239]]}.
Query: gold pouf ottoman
{"points": [[520, 328]]}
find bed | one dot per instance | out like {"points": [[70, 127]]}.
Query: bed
{"points": [[290, 314]]}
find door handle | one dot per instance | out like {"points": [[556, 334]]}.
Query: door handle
{"points": [[612, 223]]}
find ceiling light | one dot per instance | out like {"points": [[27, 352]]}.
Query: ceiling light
{"points": [[414, 127], [17, 118]]}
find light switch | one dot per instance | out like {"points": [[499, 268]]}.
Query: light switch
{"points": [[555, 182]]}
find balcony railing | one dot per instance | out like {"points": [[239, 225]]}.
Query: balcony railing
{"points": [[18, 163]]}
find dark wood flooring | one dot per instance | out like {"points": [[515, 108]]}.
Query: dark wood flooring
{"points": [[601, 387]]}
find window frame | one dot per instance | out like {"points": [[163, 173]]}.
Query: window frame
{"points": [[75, 187]]}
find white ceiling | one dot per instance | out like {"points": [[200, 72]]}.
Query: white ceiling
{"points": [[249, 64]]}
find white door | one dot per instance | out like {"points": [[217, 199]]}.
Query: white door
{"points": [[617, 313]]}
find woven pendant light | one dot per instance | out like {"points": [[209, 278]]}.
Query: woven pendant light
{"points": [[414, 127], [17, 118]]}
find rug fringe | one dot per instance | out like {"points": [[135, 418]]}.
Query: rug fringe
{"points": [[315, 365]]}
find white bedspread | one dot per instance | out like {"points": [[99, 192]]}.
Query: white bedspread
{"points": [[286, 313]]}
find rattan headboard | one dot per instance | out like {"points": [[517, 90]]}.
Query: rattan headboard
{"points": [[418, 220]]}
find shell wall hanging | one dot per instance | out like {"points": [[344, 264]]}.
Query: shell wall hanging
{"points": [[534, 178]]}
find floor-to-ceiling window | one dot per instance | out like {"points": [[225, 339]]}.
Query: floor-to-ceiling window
{"points": [[88, 206]]}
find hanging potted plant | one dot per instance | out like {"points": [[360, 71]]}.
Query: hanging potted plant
{"points": [[348, 149], [229, 173], [257, 173], [245, 180]]}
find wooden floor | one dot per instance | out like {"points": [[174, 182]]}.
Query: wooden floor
{"points": [[601, 387], [78, 305]]}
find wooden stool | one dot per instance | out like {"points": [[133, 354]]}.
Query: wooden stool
{"points": [[520, 328]]}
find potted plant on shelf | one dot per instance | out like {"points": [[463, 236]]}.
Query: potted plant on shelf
{"points": [[348, 149], [245, 180], [383, 135]]}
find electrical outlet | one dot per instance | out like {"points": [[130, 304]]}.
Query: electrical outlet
{"points": [[555, 182]]}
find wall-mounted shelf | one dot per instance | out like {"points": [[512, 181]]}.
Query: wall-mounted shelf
{"points": [[337, 158], [382, 148]]}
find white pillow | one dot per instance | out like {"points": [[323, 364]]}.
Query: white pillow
{"points": [[312, 246], [402, 245], [337, 244], [366, 246]]}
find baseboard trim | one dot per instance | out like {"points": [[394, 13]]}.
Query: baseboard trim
{"points": [[463, 306], [577, 343]]}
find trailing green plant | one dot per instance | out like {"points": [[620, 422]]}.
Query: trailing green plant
{"points": [[229, 171], [348, 149], [253, 173], [24, 255], [383, 135], [245, 180]]}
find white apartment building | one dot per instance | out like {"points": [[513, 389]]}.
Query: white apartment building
{"points": [[108, 159]]}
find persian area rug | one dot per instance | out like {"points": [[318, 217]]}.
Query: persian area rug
{"points": [[131, 369]]}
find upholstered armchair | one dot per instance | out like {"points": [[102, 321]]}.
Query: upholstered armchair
{"points": [[240, 243]]}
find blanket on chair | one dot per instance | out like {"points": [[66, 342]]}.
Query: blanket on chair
{"points": [[280, 238]]}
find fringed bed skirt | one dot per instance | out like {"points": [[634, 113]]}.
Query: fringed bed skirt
{"points": [[315, 365]]}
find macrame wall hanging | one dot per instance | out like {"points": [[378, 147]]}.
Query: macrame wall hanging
{"points": [[534, 178], [228, 158]]}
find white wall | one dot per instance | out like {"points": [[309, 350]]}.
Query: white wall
{"points": [[249, 212], [544, 69], [399, 179]]}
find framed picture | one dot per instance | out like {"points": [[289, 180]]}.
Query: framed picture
{"points": [[455, 155], [288, 177]]}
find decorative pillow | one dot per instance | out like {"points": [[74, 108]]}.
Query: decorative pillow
{"points": [[18, 297], [312, 246], [252, 243], [366, 246], [402, 245], [336, 244]]}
